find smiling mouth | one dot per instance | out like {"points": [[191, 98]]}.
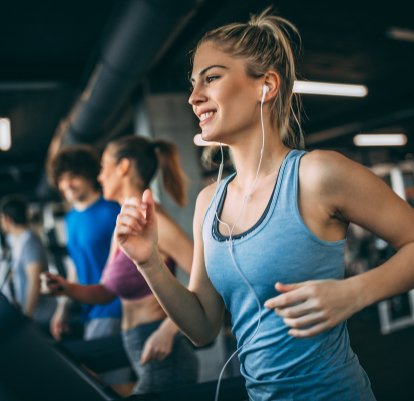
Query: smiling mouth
{"points": [[206, 117]]}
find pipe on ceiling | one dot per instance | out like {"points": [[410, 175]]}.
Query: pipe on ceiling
{"points": [[139, 34]]}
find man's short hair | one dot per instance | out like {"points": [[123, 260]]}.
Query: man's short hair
{"points": [[79, 160], [16, 208]]}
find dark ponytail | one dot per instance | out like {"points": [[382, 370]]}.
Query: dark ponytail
{"points": [[147, 156], [173, 177]]}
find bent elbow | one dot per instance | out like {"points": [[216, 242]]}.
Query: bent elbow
{"points": [[202, 341]]}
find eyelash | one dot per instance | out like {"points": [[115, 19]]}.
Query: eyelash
{"points": [[208, 79]]}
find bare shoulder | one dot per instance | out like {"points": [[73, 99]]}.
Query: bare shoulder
{"points": [[319, 163], [326, 170]]}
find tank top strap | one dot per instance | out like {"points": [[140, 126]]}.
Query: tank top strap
{"points": [[290, 181]]}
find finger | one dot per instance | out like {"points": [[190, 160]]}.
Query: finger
{"points": [[310, 332], [161, 356], [49, 276], [299, 310], [165, 352], [56, 334], [129, 225], [305, 322], [288, 287], [149, 205], [146, 355], [131, 210], [287, 299]]}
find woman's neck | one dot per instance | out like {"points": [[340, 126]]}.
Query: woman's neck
{"points": [[251, 167], [129, 191]]}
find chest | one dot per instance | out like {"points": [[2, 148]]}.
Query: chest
{"points": [[279, 250], [89, 230], [239, 213]]}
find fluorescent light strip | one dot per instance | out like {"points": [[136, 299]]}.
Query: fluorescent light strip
{"points": [[325, 88], [5, 135], [380, 140], [401, 34]]}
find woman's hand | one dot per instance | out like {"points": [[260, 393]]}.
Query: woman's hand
{"points": [[313, 307], [136, 228], [158, 345], [59, 324], [52, 284]]}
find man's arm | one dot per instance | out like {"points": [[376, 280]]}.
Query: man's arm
{"points": [[33, 271]]}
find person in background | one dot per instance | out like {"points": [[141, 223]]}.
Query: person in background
{"points": [[28, 257], [162, 358], [89, 226]]}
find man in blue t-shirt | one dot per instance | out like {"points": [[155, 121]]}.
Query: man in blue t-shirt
{"points": [[89, 227]]}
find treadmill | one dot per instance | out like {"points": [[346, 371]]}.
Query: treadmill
{"points": [[34, 367]]}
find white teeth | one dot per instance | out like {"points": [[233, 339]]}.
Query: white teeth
{"points": [[206, 115]]}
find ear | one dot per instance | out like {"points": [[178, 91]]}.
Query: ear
{"points": [[123, 167], [272, 81], [6, 220]]}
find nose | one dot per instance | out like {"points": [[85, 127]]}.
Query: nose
{"points": [[197, 95]]}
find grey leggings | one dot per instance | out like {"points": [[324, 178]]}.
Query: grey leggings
{"points": [[178, 369]]}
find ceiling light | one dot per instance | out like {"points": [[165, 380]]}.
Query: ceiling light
{"points": [[5, 135], [326, 88], [380, 140], [401, 34]]}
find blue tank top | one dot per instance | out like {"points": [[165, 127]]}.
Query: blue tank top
{"points": [[280, 247]]}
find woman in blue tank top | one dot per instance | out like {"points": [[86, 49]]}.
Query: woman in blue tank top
{"points": [[269, 240]]}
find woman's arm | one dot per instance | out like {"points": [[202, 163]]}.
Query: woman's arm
{"points": [[349, 190], [197, 311], [88, 294]]}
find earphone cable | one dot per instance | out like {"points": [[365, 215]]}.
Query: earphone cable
{"points": [[230, 242]]}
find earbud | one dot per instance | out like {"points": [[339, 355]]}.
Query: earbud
{"points": [[265, 89]]}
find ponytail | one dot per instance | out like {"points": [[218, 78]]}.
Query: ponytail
{"points": [[147, 157], [173, 177]]}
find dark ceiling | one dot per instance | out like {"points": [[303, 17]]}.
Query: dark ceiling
{"points": [[50, 50]]}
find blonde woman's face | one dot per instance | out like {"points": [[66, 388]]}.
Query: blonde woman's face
{"points": [[224, 98]]}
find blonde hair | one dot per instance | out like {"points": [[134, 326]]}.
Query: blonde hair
{"points": [[265, 43]]}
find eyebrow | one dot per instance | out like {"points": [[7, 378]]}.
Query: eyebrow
{"points": [[203, 71]]}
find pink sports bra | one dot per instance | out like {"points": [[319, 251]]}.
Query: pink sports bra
{"points": [[122, 277]]}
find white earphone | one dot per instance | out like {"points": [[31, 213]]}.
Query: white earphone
{"points": [[265, 89]]}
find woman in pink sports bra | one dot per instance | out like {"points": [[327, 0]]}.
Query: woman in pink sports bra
{"points": [[161, 357]]}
